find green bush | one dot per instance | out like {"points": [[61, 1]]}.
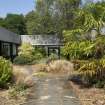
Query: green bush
{"points": [[92, 72], [79, 63], [5, 72], [28, 54], [17, 90], [100, 84], [89, 72], [22, 60], [26, 49], [38, 56], [79, 50], [39, 51]]}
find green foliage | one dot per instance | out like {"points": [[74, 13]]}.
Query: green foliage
{"points": [[17, 90], [24, 60], [51, 16], [25, 54], [88, 71], [39, 53], [72, 35], [28, 54], [91, 16], [79, 50], [53, 57], [78, 47], [79, 44], [100, 84], [3, 23], [92, 72], [14, 23], [79, 63], [5, 72], [33, 23], [37, 24], [38, 56], [26, 49]]}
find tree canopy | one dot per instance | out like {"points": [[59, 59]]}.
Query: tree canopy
{"points": [[48, 17], [15, 23], [51, 16]]}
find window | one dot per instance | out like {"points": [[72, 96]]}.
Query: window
{"points": [[14, 49], [5, 49]]}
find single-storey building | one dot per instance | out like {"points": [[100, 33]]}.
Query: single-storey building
{"points": [[9, 43], [51, 43]]}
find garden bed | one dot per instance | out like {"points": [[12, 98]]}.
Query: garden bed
{"points": [[18, 99], [89, 96]]}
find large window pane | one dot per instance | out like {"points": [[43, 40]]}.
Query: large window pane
{"points": [[5, 49]]}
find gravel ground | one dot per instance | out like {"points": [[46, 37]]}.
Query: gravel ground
{"points": [[89, 96], [6, 100]]}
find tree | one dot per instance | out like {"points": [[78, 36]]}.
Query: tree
{"points": [[16, 23], [39, 25], [91, 17], [3, 23], [51, 16], [33, 23], [77, 42]]}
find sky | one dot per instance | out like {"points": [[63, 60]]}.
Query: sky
{"points": [[21, 6], [85, 1], [16, 6]]}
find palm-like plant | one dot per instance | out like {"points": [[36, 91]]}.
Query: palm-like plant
{"points": [[91, 16]]}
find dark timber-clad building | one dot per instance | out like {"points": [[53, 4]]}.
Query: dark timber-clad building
{"points": [[9, 43]]}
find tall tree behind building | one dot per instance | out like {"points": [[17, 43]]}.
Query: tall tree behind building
{"points": [[15, 23], [51, 16]]}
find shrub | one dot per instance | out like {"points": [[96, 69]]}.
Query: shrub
{"points": [[28, 55], [22, 60], [79, 63], [38, 56], [26, 49], [39, 51], [92, 72], [17, 91], [25, 55], [88, 71], [5, 72], [100, 84], [79, 50]]}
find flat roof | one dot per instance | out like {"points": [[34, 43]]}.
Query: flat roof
{"points": [[8, 36]]}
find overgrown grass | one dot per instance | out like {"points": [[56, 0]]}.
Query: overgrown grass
{"points": [[5, 72], [17, 90]]}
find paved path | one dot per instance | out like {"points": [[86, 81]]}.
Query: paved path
{"points": [[53, 90]]}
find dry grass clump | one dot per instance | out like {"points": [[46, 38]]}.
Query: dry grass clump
{"points": [[22, 76], [60, 66], [40, 68]]}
